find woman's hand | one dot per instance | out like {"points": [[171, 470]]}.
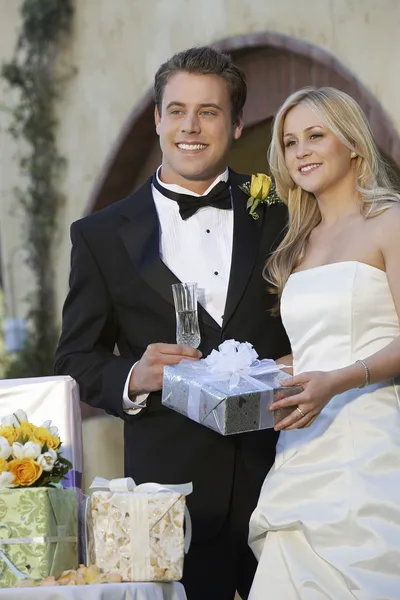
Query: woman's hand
{"points": [[318, 388], [287, 361]]}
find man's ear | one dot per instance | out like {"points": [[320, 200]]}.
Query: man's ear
{"points": [[157, 119], [238, 127]]}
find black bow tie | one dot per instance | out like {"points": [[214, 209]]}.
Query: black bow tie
{"points": [[218, 197]]}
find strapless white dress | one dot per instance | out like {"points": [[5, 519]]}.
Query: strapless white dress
{"points": [[327, 523]]}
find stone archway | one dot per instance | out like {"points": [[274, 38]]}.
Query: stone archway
{"points": [[275, 66]]}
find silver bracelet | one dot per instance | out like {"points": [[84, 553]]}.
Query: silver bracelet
{"points": [[367, 373]]}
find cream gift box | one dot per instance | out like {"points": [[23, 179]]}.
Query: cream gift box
{"points": [[137, 531], [53, 399], [230, 391]]}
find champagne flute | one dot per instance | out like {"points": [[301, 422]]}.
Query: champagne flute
{"points": [[187, 324]]}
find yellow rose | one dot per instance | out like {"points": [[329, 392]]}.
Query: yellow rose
{"points": [[3, 465], [43, 436], [26, 429], [9, 433], [260, 186], [25, 470]]}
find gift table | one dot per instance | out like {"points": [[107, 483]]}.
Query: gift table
{"points": [[105, 591]]}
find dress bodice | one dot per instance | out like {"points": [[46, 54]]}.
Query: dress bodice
{"points": [[336, 314]]}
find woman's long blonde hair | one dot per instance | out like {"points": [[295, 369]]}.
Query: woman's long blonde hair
{"points": [[345, 118]]}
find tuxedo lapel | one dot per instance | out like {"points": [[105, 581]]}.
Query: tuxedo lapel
{"points": [[140, 233], [246, 244]]}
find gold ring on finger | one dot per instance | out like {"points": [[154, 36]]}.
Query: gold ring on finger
{"points": [[300, 411]]}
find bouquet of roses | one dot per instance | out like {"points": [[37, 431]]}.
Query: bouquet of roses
{"points": [[30, 456]]}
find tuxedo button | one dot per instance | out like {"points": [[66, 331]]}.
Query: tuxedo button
{"points": [[207, 231], [215, 272]]}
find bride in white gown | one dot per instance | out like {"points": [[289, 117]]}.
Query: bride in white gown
{"points": [[327, 524]]}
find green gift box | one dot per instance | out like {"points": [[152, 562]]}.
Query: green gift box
{"points": [[38, 533]]}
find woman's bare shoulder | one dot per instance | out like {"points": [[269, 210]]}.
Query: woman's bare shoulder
{"points": [[387, 226]]}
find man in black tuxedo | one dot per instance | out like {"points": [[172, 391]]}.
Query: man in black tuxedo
{"points": [[188, 223]]}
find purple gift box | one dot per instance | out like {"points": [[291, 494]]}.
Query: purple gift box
{"points": [[53, 399]]}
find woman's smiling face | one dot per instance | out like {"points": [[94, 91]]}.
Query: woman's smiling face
{"points": [[315, 158]]}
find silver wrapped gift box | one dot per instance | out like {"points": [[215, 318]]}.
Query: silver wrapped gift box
{"points": [[225, 392]]}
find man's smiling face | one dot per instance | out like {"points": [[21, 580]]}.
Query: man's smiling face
{"points": [[195, 127]]}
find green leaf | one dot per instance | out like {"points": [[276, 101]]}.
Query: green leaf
{"points": [[250, 202], [64, 461]]}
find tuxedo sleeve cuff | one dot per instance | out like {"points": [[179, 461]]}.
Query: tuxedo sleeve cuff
{"points": [[129, 406]]}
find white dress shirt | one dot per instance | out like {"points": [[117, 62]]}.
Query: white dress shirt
{"points": [[198, 249]]}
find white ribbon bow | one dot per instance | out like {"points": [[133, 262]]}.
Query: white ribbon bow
{"points": [[235, 360]]}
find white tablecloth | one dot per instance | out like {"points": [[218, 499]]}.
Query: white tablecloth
{"points": [[106, 591]]}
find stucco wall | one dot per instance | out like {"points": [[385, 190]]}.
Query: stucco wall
{"points": [[16, 276]]}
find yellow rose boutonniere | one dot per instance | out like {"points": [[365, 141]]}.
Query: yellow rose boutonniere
{"points": [[261, 190]]}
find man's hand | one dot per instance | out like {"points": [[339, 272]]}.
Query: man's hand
{"points": [[147, 376]]}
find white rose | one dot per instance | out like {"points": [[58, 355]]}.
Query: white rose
{"points": [[32, 450], [47, 460], [15, 419], [5, 448], [53, 430], [21, 416], [9, 420], [28, 450], [6, 479], [17, 450]]}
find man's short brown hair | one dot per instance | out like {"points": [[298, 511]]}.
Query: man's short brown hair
{"points": [[204, 61]]}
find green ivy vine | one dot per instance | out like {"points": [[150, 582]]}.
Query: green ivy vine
{"points": [[32, 73]]}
